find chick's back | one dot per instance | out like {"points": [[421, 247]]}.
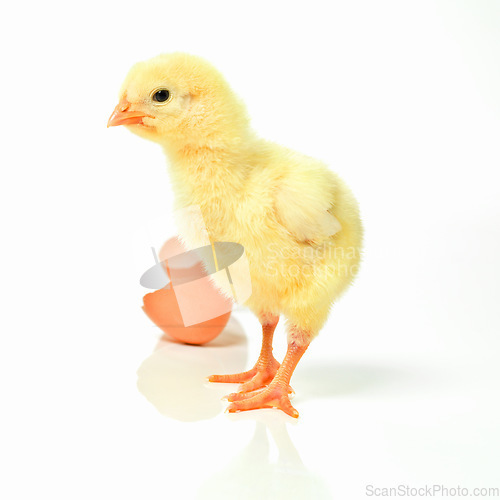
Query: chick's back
{"points": [[300, 227]]}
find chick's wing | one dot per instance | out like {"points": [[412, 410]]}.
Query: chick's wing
{"points": [[304, 203]]}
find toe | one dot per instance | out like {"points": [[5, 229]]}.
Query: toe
{"points": [[287, 407], [270, 397], [247, 404], [252, 385], [240, 396], [235, 378]]}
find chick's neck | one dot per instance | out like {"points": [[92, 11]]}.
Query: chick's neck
{"points": [[205, 174]]}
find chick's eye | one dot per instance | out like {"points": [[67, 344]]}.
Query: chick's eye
{"points": [[161, 95]]}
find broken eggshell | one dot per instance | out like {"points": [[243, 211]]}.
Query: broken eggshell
{"points": [[162, 306]]}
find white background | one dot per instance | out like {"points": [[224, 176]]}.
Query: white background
{"points": [[402, 386]]}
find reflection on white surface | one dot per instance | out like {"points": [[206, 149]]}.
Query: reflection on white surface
{"points": [[253, 474], [173, 378], [357, 414]]}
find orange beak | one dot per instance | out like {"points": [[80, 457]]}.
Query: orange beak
{"points": [[123, 115]]}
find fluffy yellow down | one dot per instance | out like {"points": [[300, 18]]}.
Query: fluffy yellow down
{"points": [[297, 220]]}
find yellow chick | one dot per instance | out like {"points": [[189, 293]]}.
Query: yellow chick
{"points": [[297, 221]]}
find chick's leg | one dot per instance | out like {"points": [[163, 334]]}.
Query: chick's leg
{"points": [[276, 394], [266, 367]]}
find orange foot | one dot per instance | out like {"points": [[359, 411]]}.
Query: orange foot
{"points": [[256, 378], [274, 396], [240, 396]]}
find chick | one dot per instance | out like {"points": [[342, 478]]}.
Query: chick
{"points": [[297, 221]]}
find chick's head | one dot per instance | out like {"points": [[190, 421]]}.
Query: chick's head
{"points": [[179, 99]]}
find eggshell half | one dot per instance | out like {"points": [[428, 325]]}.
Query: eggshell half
{"points": [[163, 309]]}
